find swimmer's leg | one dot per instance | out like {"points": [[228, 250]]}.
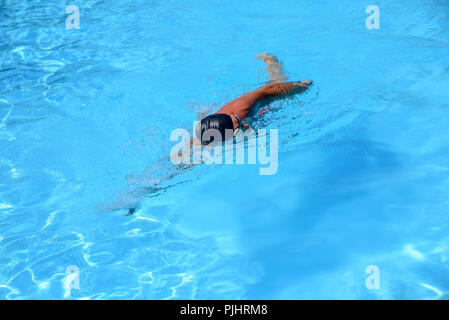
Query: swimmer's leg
{"points": [[274, 67], [130, 212]]}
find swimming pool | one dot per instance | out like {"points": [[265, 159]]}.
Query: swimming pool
{"points": [[363, 177]]}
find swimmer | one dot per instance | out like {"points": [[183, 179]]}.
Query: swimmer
{"points": [[231, 115]]}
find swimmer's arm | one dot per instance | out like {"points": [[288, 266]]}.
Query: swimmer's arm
{"points": [[275, 89], [243, 105]]}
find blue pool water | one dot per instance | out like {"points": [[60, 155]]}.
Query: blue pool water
{"points": [[363, 178]]}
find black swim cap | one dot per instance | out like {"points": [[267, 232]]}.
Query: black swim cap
{"points": [[217, 121]]}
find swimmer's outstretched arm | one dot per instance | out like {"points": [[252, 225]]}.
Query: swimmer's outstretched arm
{"points": [[242, 106], [275, 89]]}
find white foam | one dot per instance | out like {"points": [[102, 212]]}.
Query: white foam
{"points": [[5, 205]]}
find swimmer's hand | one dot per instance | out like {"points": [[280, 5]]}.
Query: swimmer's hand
{"points": [[244, 125], [306, 83]]}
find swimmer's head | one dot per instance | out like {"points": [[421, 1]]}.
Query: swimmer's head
{"points": [[214, 126]]}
